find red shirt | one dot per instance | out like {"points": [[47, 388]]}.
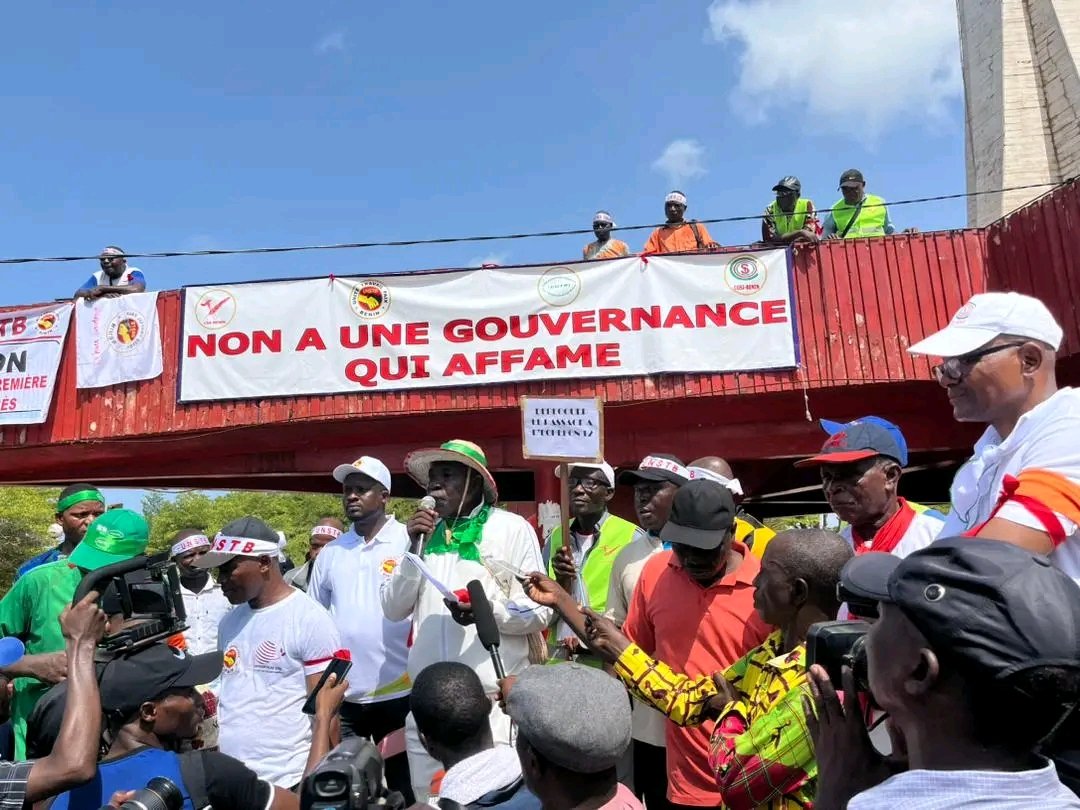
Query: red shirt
{"points": [[697, 631]]}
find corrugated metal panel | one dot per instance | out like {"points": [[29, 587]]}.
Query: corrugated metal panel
{"points": [[860, 303]]}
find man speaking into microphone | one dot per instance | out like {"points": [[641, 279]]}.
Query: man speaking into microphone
{"points": [[464, 538]]}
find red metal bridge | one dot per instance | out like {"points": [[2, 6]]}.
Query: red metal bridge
{"points": [[860, 303]]}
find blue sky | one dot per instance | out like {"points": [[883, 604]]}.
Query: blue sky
{"points": [[210, 125]]}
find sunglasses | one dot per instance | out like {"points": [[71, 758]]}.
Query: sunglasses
{"points": [[956, 368]]}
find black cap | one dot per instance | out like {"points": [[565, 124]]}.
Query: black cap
{"points": [[991, 606], [130, 681], [657, 467], [791, 182], [702, 514], [851, 176], [858, 440]]}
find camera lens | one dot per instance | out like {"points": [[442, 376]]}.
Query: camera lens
{"points": [[860, 668], [159, 794]]}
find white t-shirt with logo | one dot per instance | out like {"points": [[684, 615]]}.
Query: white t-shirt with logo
{"points": [[268, 653]]}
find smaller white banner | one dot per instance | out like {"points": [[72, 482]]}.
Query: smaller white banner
{"points": [[118, 340], [31, 341], [562, 429]]}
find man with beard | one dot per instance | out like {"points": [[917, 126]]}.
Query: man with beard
{"points": [[655, 482], [326, 531], [114, 278], [276, 643], [204, 601], [78, 506], [346, 579], [465, 537]]}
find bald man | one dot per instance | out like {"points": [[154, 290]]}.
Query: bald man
{"points": [[325, 531], [749, 531]]}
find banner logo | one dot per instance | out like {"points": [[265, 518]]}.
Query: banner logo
{"points": [[559, 286], [125, 331], [46, 322], [215, 309], [369, 299], [745, 275]]}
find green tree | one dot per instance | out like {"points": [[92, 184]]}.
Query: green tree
{"points": [[25, 517], [794, 522], [289, 512]]}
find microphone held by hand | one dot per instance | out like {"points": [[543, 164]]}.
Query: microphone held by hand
{"points": [[486, 628], [427, 503]]}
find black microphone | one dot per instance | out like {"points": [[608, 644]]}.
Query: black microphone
{"points": [[486, 628], [427, 502]]}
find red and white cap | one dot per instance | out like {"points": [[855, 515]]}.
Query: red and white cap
{"points": [[985, 317], [365, 465]]}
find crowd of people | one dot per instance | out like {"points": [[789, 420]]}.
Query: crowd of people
{"points": [[666, 662]]}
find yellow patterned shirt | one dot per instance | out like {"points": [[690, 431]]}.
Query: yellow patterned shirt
{"points": [[761, 750]]}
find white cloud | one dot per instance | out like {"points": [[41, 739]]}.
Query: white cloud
{"points": [[489, 258], [681, 160], [334, 42], [851, 68]]}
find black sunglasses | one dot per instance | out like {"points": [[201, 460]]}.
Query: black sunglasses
{"points": [[956, 368]]}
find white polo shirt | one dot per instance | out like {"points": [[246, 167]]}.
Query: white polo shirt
{"points": [[205, 609], [346, 579], [1045, 438]]}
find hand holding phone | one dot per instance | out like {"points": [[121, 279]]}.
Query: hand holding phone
{"points": [[339, 665]]}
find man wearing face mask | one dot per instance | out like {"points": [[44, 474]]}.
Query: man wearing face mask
{"points": [[204, 601], [860, 466], [655, 482], [465, 537], [693, 609], [604, 247]]}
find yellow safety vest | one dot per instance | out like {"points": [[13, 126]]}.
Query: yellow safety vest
{"points": [[871, 221], [795, 221]]}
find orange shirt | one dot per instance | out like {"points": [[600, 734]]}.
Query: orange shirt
{"points": [[614, 249], [679, 239], [697, 631]]}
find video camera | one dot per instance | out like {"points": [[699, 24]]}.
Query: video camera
{"points": [[146, 590], [349, 778], [833, 645]]}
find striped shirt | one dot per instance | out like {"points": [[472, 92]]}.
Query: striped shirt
{"points": [[13, 779]]}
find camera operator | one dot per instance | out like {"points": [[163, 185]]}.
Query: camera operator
{"points": [[759, 751], [153, 708], [74, 760], [31, 608], [976, 658]]}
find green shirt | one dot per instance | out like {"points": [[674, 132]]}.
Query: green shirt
{"points": [[31, 610]]}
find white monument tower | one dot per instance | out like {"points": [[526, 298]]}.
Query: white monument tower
{"points": [[1022, 98]]}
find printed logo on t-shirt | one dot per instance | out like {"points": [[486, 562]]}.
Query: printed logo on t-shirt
{"points": [[388, 566], [267, 657], [232, 655]]}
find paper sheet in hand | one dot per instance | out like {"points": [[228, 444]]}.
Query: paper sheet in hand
{"points": [[421, 566]]}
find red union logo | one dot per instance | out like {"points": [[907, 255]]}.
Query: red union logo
{"points": [[745, 275]]}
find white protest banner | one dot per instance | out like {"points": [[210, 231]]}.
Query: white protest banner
{"points": [[31, 341], [702, 313], [117, 340], [562, 429]]}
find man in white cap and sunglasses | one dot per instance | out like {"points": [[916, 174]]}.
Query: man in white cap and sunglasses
{"points": [[677, 235], [464, 537], [346, 579], [604, 247], [1022, 485]]}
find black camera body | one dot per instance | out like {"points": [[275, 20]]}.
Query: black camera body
{"points": [[348, 778], [833, 645], [146, 590]]}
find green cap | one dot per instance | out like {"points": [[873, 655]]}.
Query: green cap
{"points": [[118, 535]]}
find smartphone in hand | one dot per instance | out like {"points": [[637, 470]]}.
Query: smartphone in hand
{"points": [[339, 665]]}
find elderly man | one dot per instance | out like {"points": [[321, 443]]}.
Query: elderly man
{"points": [[346, 579], [678, 235], [790, 217], [857, 214], [78, 506], [860, 469], [323, 533], [693, 608], [276, 643], [604, 247], [584, 565], [1022, 485], [976, 659], [204, 601], [569, 749], [465, 537], [32, 608], [114, 278]]}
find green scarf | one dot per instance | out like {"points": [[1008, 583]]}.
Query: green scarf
{"points": [[459, 536]]}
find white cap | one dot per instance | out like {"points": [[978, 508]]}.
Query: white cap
{"points": [[676, 197], [988, 315], [603, 466], [365, 465]]}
